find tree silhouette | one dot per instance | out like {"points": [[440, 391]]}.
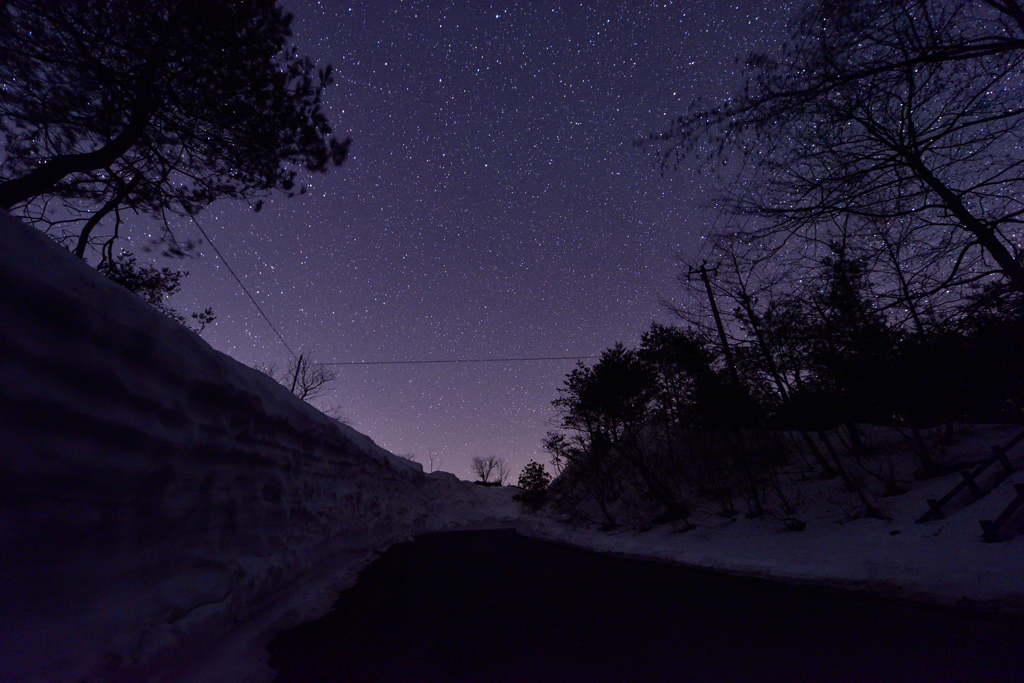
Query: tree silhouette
{"points": [[490, 470], [611, 407], [154, 285], [153, 106], [534, 477], [303, 376], [905, 115], [533, 481]]}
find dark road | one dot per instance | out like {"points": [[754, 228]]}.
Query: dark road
{"points": [[493, 606]]}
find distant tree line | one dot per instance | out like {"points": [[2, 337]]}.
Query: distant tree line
{"points": [[868, 271]]}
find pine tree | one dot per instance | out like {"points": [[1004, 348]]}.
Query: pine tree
{"points": [[153, 106], [534, 481]]}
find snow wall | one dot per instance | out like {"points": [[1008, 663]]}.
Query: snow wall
{"points": [[157, 495]]}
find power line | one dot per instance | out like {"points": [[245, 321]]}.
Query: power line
{"points": [[253, 300], [458, 360], [372, 362]]}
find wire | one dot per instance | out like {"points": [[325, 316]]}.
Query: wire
{"points": [[368, 363], [457, 360], [225, 262]]}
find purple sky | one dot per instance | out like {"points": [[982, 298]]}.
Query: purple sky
{"points": [[493, 206]]}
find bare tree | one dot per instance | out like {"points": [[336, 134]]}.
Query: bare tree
{"points": [[303, 376], [502, 472], [883, 115], [309, 379], [491, 469], [338, 413]]}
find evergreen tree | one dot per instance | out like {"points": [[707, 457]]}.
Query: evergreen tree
{"points": [[534, 477], [154, 106]]}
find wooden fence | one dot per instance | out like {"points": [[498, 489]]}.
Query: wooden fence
{"points": [[990, 529], [969, 481]]}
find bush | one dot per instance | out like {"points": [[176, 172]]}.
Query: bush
{"points": [[533, 480]]}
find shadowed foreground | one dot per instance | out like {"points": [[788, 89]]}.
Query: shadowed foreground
{"points": [[494, 606]]}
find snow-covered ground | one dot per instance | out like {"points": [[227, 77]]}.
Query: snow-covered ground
{"points": [[943, 561], [940, 562], [240, 655]]}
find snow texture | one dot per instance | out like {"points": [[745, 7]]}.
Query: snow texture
{"points": [[166, 508], [943, 561]]}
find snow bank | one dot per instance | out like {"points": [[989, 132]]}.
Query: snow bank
{"points": [[943, 561], [165, 507]]}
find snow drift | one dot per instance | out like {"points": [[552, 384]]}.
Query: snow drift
{"points": [[157, 493]]}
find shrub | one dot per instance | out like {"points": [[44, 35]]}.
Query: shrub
{"points": [[533, 480]]}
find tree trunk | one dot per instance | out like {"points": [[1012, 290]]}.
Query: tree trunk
{"points": [[928, 467], [826, 468], [83, 237], [869, 509]]}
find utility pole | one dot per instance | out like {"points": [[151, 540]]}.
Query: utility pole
{"points": [[298, 368], [703, 272]]}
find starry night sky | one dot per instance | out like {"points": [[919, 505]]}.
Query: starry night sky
{"points": [[493, 206]]}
